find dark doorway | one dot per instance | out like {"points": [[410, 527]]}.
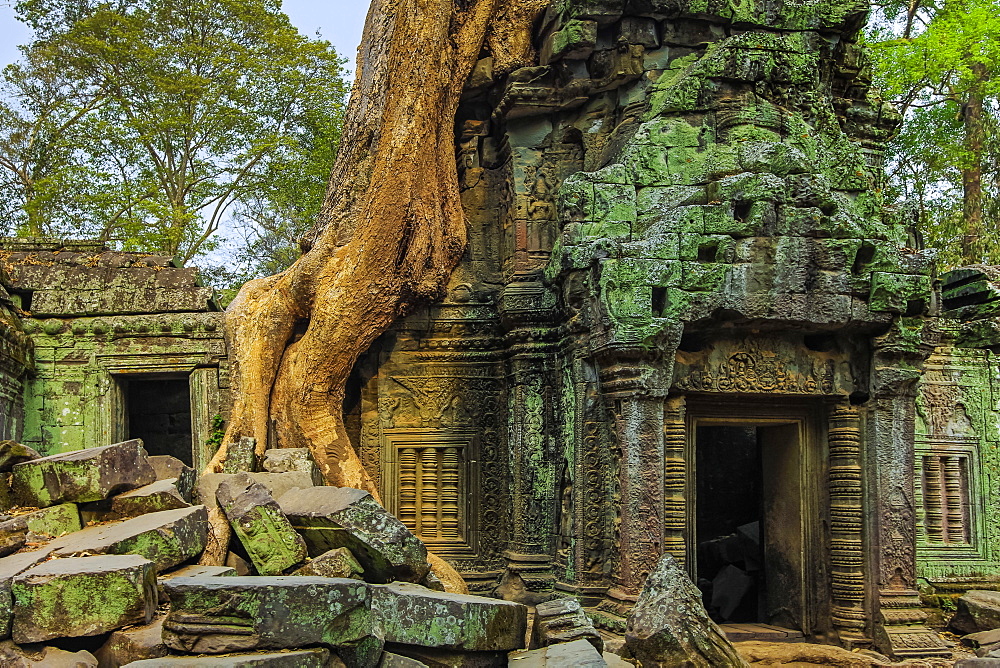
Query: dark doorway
{"points": [[748, 523], [159, 412]]}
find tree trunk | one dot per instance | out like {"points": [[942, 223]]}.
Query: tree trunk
{"points": [[391, 230], [974, 239]]}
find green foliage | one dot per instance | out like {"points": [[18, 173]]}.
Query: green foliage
{"points": [[151, 123], [939, 61], [214, 440]]}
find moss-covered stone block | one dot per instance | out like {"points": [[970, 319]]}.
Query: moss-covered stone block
{"points": [[574, 40], [672, 132], [86, 596], [414, 615], [337, 563], [257, 521], [614, 203], [899, 293], [302, 658], [700, 276], [238, 614], [166, 538], [82, 476], [332, 517]]}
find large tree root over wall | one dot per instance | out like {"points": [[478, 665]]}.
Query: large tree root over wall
{"points": [[391, 232]]}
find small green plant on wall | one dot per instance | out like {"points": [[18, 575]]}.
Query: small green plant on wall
{"points": [[218, 432]]}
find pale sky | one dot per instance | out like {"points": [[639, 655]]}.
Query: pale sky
{"points": [[339, 21]]}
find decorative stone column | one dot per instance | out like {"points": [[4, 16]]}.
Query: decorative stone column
{"points": [[639, 441], [900, 628], [675, 479], [847, 562]]}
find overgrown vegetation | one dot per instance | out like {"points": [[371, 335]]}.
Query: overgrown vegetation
{"points": [[151, 124], [939, 62]]}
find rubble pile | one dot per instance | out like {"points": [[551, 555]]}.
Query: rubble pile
{"points": [[99, 552]]}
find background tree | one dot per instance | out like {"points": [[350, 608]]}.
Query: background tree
{"points": [[168, 117], [939, 61]]}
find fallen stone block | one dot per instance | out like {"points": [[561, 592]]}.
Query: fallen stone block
{"points": [[414, 615], [575, 654], [241, 456], [14, 656], [265, 533], [167, 538], [338, 563], [11, 566], [390, 660], [285, 460], [46, 523], [126, 646], [562, 621], [12, 453], [445, 658], [669, 625], [977, 611], [12, 539], [237, 614], [985, 662], [332, 517], [193, 571], [85, 596], [152, 498], [278, 484], [82, 476], [303, 658], [238, 564], [171, 468]]}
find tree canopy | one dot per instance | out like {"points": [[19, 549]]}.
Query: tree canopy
{"points": [[148, 123], [939, 61]]}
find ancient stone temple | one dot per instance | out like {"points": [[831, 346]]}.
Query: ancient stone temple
{"points": [[687, 323], [122, 346]]}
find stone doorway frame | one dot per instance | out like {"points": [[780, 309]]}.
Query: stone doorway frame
{"points": [[807, 416]]}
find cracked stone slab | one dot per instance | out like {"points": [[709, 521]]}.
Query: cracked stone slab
{"points": [[575, 654], [82, 476], [171, 468], [415, 615], [38, 525], [257, 521], [305, 658], [332, 517], [210, 615], [83, 596], [167, 538]]}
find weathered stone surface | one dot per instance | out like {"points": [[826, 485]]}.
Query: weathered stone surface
{"points": [[134, 644], [985, 662], [391, 660], [304, 658], [234, 614], [264, 531], [12, 453], [11, 566], [278, 484], [83, 596], [415, 615], [241, 456], [332, 517], [167, 538], [285, 460], [561, 621], [445, 658], [82, 476], [193, 571], [151, 498], [14, 656], [807, 654], [38, 525], [575, 654], [977, 611], [983, 642], [171, 468], [669, 625], [338, 563]]}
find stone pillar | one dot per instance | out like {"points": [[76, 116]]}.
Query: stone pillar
{"points": [[675, 479], [900, 628], [847, 563], [534, 488], [639, 436]]}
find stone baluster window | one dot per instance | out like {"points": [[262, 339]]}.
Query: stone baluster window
{"points": [[946, 498]]}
